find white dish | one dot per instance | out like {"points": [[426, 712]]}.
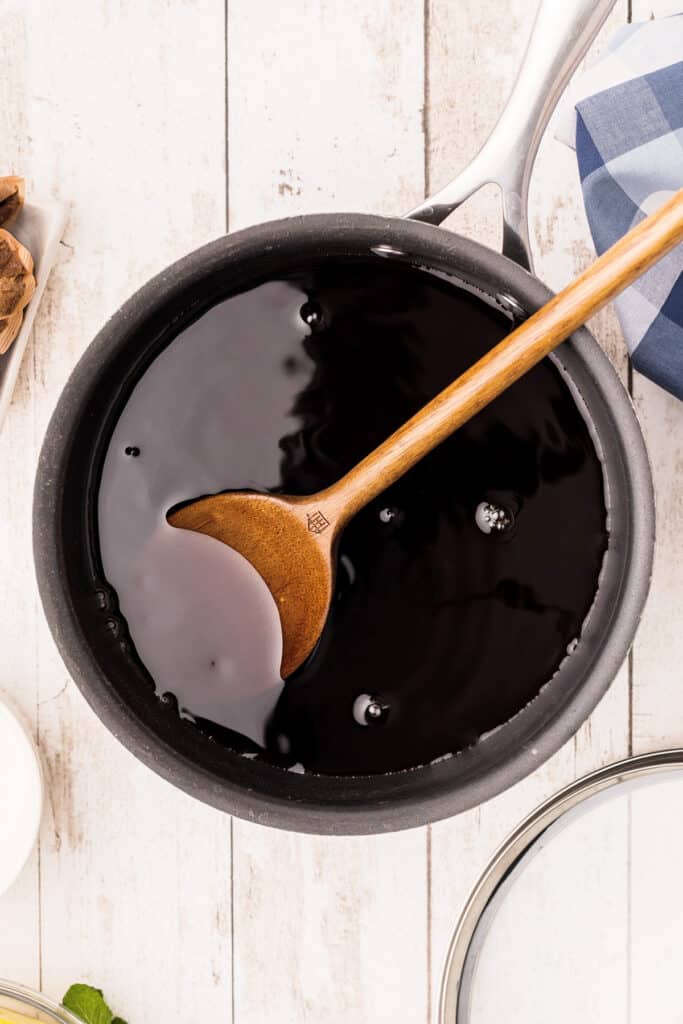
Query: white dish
{"points": [[21, 797], [39, 228]]}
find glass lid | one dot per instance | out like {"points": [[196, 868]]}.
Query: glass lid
{"points": [[578, 915], [21, 1005]]}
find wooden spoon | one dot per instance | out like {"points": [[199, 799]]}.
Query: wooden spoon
{"points": [[291, 541]]}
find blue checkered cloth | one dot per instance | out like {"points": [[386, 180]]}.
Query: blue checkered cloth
{"points": [[629, 146]]}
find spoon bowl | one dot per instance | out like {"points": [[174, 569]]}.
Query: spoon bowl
{"points": [[289, 542]]}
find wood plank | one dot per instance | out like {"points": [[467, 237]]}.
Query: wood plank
{"points": [[475, 50], [329, 929], [656, 902], [658, 650], [325, 108], [19, 907], [134, 876], [657, 841]]}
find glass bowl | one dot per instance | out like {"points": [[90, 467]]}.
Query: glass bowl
{"points": [[19, 1005]]}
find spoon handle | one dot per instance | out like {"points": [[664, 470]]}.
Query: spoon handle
{"points": [[609, 275]]}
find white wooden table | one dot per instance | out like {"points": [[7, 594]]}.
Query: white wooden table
{"points": [[161, 124]]}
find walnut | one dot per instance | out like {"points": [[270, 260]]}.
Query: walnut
{"points": [[17, 285], [11, 198], [9, 328]]}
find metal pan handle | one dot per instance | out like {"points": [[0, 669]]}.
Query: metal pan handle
{"points": [[561, 35]]}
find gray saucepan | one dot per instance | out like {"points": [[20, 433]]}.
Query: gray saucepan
{"points": [[81, 608]]}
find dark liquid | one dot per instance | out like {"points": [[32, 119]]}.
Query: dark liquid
{"points": [[451, 630]]}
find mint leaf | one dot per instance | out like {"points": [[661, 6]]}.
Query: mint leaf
{"points": [[89, 1004]]}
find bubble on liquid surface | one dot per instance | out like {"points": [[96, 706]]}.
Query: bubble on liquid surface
{"points": [[388, 514], [312, 315], [368, 710], [492, 518]]}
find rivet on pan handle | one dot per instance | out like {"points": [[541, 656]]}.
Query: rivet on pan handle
{"points": [[560, 37]]}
